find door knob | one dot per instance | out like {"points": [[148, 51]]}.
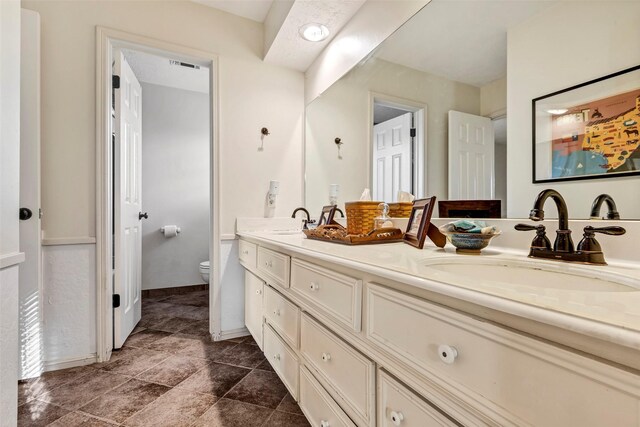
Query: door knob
{"points": [[143, 215], [25, 214]]}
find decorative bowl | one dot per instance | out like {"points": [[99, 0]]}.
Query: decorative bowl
{"points": [[469, 243]]}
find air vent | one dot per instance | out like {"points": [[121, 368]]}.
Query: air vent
{"points": [[184, 64]]}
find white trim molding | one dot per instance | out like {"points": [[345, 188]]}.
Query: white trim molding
{"points": [[56, 241], [9, 260], [232, 333], [106, 39], [54, 365]]}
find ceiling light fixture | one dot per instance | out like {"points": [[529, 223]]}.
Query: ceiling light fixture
{"points": [[557, 111], [314, 32]]}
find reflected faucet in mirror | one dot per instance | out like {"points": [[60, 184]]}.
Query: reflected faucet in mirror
{"points": [[306, 212], [589, 250], [612, 212]]}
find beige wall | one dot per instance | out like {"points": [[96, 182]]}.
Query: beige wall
{"points": [[343, 111], [493, 98], [249, 90], [540, 61]]}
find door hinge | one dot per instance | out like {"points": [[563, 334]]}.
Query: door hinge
{"points": [[116, 300], [115, 81], [412, 133]]}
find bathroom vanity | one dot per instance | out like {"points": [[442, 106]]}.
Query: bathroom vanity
{"points": [[388, 335]]}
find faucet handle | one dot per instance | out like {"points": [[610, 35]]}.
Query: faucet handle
{"points": [[589, 242], [611, 230], [541, 240], [527, 227]]}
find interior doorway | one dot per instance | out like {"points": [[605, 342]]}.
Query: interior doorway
{"points": [[397, 148], [131, 67], [161, 194]]}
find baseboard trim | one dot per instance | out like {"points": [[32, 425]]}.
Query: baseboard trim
{"points": [[72, 362], [233, 333]]}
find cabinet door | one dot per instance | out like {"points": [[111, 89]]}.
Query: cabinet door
{"points": [[253, 291]]}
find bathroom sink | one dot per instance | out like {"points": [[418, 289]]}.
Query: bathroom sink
{"points": [[521, 274]]}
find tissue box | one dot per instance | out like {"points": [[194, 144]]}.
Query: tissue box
{"points": [[361, 216], [400, 210]]}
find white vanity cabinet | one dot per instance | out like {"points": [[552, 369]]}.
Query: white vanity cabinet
{"points": [[356, 349], [253, 301]]}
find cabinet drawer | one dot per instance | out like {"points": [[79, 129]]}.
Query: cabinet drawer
{"points": [[319, 408], [274, 266], [348, 374], [284, 360], [515, 379], [253, 290], [247, 253], [338, 295], [399, 406], [282, 315]]}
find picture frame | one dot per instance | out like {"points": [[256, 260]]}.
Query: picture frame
{"points": [[419, 221], [588, 131], [326, 217]]}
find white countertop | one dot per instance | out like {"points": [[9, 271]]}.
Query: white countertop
{"points": [[612, 316]]}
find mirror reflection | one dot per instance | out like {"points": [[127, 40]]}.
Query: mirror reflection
{"points": [[429, 112]]}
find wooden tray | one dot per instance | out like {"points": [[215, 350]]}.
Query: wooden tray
{"points": [[336, 233]]}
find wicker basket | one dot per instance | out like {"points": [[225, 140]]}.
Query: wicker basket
{"points": [[400, 209], [361, 216]]}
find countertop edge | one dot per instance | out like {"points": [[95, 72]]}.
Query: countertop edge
{"points": [[602, 331]]}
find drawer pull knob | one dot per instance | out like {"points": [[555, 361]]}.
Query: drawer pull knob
{"points": [[276, 312], [276, 357], [268, 264], [324, 423], [314, 286], [326, 357], [258, 291], [246, 252], [396, 418], [448, 354]]}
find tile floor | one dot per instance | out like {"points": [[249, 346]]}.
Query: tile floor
{"points": [[169, 373]]}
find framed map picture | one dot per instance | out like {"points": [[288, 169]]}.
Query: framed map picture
{"points": [[588, 131]]}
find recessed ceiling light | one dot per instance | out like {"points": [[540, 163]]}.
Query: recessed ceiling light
{"points": [[557, 111], [314, 32]]}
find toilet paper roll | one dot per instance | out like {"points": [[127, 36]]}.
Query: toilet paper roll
{"points": [[170, 230]]}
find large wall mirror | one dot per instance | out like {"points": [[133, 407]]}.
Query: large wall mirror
{"points": [[443, 106]]}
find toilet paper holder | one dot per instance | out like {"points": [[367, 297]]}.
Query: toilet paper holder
{"points": [[177, 230]]}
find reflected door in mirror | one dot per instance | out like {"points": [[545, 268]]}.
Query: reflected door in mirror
{"points": [[392, 151]]}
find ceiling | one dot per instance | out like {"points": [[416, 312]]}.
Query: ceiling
{"points": [[289, 49], [158, 70], [462, 40], [284, 46], [253, 9]]}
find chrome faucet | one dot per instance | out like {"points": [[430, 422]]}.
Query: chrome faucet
{"points": [[612, 213], [588, 251]]}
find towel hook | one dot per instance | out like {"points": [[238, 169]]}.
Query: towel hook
{"points": [[338, 142]]}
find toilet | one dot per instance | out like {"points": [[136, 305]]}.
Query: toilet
{"points": [[204, 271]]}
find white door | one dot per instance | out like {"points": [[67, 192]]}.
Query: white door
{"points": [[30, 235], [127, 201], [471, 157], [392, 158]]}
